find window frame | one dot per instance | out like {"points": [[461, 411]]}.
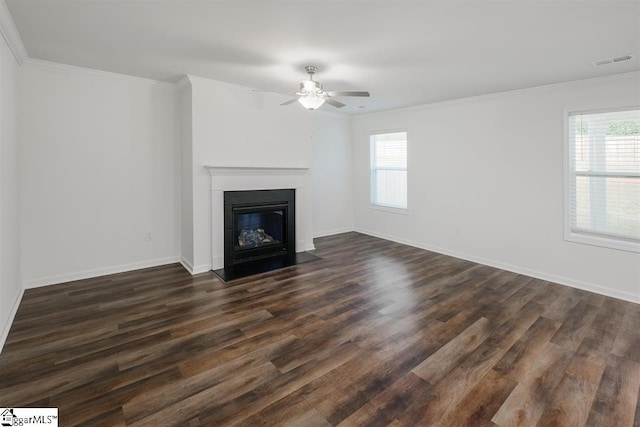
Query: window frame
{"points": [[585, 237], [372, 185]]}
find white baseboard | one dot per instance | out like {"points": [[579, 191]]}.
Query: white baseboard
{"points": [[306, 248], [332, 232], [590, 287], [187, 265], [9, 321], [217, 262], [88, 274], [303, 245], [203, 268]]}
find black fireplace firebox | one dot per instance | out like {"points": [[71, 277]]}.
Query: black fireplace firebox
{"points": [[258, 225]]}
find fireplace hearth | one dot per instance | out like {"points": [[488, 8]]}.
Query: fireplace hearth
{"points": [[259, 232]]}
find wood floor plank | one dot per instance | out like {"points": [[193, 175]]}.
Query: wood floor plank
{"points": [[481, 402], [449, 391], [526, 403], [311, 418], [448, 356], [572, 399], [382, 376], [390, 403], [627, 343], [287, 383], [575, 327], [374, 333], [223, 371], [617, 394], [103, 406], [522, 355], [190, 407], [571, 403]]}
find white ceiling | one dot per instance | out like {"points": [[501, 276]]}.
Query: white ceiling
{"points": [[404, 52]]}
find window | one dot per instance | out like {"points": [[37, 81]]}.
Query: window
{"points": [[603, 179], [389, 169]]}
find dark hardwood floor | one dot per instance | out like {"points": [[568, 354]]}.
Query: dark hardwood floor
{"points": [[374, 334]]}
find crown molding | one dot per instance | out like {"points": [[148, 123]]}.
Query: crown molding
{"points": [[195, 81], [203, 81], [91, 72], [11, 34], [182, 83], [505, 94]]}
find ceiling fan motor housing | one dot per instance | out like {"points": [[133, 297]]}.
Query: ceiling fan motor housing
{"points": [[310, 86]]}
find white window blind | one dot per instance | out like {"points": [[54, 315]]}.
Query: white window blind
{"points": [[604, 175], [389, 169]]}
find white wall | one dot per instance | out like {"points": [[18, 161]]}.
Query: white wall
{"points": [[99, 169], [234, 126], [492, 168], [10, 280], [332, 174]]}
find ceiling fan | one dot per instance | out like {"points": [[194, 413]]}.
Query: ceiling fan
{"points": [[312, 95]]}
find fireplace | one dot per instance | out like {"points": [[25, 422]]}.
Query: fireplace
{"points": [[255, 188], [258, 224]]}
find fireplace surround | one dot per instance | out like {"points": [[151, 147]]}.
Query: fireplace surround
{"points": [[232, 178]]}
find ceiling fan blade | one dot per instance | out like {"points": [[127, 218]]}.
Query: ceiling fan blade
{"points": [[334, 103], [291, 101], [348, 93]]}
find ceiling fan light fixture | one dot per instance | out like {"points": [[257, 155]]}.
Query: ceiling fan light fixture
{"points": [[311, 102], [311, 95]]}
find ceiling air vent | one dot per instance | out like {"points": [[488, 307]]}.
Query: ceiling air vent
{"points": [[622, 58], [612, 60]]}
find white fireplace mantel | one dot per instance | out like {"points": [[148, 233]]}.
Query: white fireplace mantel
{"points": [[229, 178]]}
